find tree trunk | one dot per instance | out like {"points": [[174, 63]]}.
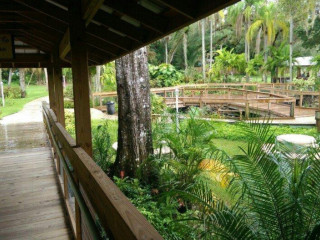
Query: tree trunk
{"points": [[10, 77], [247, 49], [22, 82], [291, 48], [258, 41], [46, 76], [185, 50], [134, 133], [166, 40], [210, 64], [97, 79], [203, 51], [265, 48]]}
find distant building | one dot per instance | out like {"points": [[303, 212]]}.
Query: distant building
{"points": [[303, 65]]}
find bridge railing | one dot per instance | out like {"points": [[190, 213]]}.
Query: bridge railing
{"points": [[91, 198], [234, 94]]}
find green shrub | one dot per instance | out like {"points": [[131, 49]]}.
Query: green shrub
{"points": [[12, 92], [164, 75], [103, 153], [158, 105], [68, 92], [68, 103]]}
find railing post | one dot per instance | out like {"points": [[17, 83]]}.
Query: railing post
{"points": [[292, 109], [247, 111], [58, 88], [300, 100]]}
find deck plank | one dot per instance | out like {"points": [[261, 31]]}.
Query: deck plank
{"points": [[31, 203]]}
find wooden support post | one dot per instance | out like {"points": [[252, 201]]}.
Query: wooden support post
{"points": [[51, 88], [292, 108], [229, 93], [80, 76], [300, 100], [58, 86], [247, 111]]}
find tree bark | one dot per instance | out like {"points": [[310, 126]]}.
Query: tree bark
{"points": [[185, 50], [203, 50], [46, 76], [22, 82], [265, 77], [134, 111], [166, 41], [10, 77], [97, 79], [258, 41], [291, 48], [211, 26]]}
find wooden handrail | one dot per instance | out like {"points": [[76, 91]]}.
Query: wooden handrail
{"points": [[115, 212]]}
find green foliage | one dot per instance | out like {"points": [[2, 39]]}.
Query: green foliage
{"points": [[254, 65], [164, 75], [278, 60], [158, 105], [227, 63], [161, 214], [274, 192], [69, 120], [68, 92], [103, 154], [12, 92], [68, 103], [108, 77], [304, 85]]}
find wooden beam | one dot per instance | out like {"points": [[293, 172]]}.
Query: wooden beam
{"points": [[58, 86], [135, 11], [51, 88], [46, 8], [30, 57], [110, 37], [89, 9], [45, 21], [185, 8], [80, 75], [111, 21]]}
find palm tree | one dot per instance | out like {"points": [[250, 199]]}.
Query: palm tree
{"points": [[203, 23], [270, 25], [297, 10], [275, 189]]}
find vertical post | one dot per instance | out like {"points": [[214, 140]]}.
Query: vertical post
{"points": [[51, 89], [292, 108], [58, 87], [80, 75], [177, 108], [300, 100], [247, 111]]}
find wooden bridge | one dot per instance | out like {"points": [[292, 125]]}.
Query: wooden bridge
{"points": [[273, 100]]}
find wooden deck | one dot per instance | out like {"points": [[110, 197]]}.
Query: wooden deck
{"points": [[31, 204]]}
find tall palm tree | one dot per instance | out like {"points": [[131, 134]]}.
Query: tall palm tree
{"points": [[270, 25]]}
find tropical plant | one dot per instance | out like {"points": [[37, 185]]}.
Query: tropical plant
{"points": [[275, 188], [108, 77], [254, 65], [278, 60], [158, 104], [270, 25], [164, 75], [103, 153], [226, 63]]}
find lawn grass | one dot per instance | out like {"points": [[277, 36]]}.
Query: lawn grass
{"points": [[231, 147], [16, 105]]}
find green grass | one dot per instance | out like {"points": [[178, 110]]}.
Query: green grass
{"points": [[16, 105], [231, 147]]}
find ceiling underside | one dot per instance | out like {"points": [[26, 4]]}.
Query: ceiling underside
{"points": [[113, 27]]}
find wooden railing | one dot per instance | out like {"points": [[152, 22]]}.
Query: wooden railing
{"points": [[89, 194], [234, 94]]}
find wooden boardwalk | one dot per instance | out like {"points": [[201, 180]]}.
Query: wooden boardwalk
{"points": [[31, 204]]}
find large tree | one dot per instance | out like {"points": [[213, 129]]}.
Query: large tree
{"points": [[134, 111], [22, 82]]}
